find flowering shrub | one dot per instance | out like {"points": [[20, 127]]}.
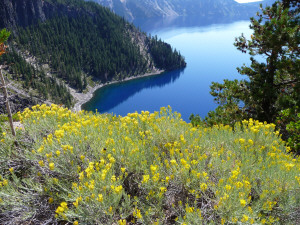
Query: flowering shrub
{"points": [[148, 169]]}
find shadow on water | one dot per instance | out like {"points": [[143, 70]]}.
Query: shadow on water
{"points": [[113, 95]]}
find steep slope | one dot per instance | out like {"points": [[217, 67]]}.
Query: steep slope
{"points": [[136, 9], [77, 43]]}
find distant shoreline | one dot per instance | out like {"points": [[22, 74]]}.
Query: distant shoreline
{"points": [[83, 98]]}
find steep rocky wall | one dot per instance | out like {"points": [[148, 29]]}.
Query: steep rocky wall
{"points": [[26, 12], [137, 9], [21, 12]]}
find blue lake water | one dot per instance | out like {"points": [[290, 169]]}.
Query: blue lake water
{"points": [[210, 56]]}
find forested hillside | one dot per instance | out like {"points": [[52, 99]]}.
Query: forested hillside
{"points": [[30, 77], [78, 41]]}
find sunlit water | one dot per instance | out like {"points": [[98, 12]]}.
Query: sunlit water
{"points": [[210, 56]]}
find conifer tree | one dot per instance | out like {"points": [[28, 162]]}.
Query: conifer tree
{"points": [[271, 91], [272, 85]]}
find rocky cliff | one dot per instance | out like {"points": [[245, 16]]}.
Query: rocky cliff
{"points": [[26, 12], [136, 9]]}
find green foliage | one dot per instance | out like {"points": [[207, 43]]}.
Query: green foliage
{"points": [[196, 120], [229, 110], [94, 41], [97, 46], [4, 118], [271, 86], [144, 169], [163, 55], [32, 78], [4, 35], [289, 123], [294, 129]]}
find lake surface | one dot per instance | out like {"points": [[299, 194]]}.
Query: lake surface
{"points": [[210, 56]]}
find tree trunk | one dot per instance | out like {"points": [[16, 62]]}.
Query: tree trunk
{"points": [[7, 103]]}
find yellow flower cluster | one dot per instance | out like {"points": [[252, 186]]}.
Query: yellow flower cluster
{"points": [[104, 161], [61, 210], [4, 182]]}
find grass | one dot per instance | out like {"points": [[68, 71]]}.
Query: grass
{"points": [[85, 168]]}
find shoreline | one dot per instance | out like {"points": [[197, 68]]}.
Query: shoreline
{"points": [[82, 98]]}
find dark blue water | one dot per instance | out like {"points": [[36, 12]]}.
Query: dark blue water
{"points": [[210, 56]]}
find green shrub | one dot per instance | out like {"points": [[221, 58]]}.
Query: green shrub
{"points": [[145, 169], [289, 124]]}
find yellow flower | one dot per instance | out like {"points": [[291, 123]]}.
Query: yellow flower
{"points": [[183, 162], [137, 214], [173, 162], [122, 222], [189, 209], [75, 222], [64, 205], [234, 219], [51, 166], [118, 189], [11, 169], [163, 189], [204, 174], [242, 140], [250, 209], [41, 163], [243, 202], [167, 179], [153, 168], [50, 200], [59, 210], [76, 203], [100, 198], [228, 187], [245, 218], [250, 142], [145, 178], [113, 178], [203, 186], [223, 221]]}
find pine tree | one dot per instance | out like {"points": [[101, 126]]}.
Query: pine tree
{"points": [[272, 88], [272, 85]]}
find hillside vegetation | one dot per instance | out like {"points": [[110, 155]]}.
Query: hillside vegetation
{"points": [[56, 44], [269, 90], [86, 168]]}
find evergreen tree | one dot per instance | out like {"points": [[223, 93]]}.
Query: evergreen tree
{"points": [[271, 86]]}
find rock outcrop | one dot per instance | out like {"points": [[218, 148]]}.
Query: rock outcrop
{"points": [[137, 9], [17, 103], [26, 12]]}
